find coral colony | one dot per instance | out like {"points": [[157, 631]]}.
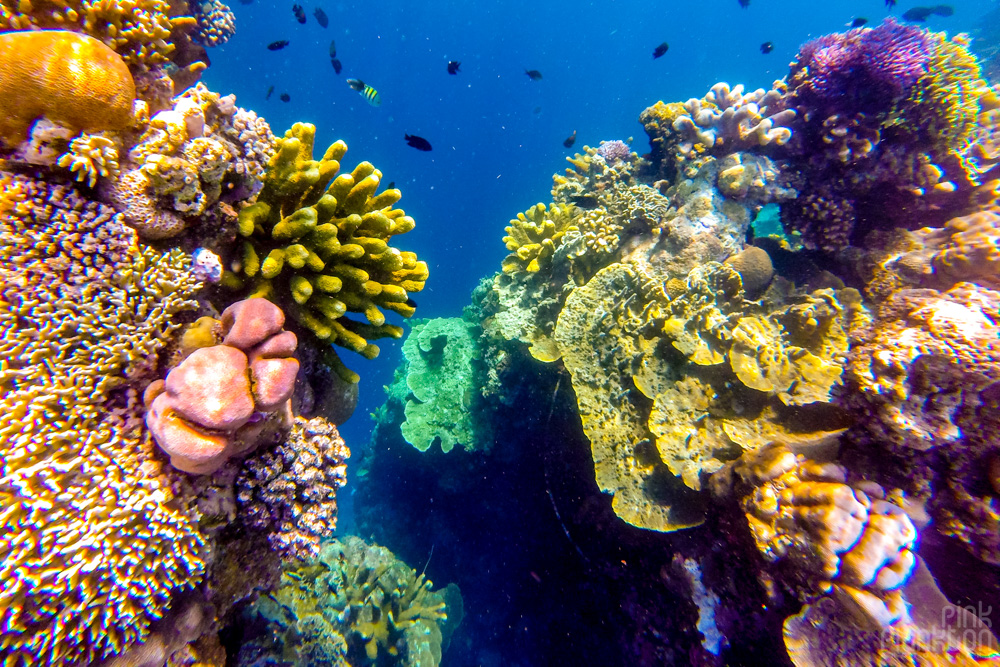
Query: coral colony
{"points": [[167, 454]]}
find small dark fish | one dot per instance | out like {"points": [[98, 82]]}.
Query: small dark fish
{"points": [[285, 97], [321, 17], [766, 48], [300, 14], [419, 143], [333, 48], [269, 91], [917, 14], [744, 3], [533, 74], [570, 140], [890, 3], [660, 50], [370, 94], [277, 46], [453, 66], [337, 67], [537, 110], [943, 10], [391, 186], [858, 22]]}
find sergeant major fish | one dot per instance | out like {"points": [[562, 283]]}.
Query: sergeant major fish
{"points": [[370, 94]]}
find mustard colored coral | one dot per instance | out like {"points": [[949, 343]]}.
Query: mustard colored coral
{"points": [[66, 77], [318, 244], [90, 157], [533, 236]]}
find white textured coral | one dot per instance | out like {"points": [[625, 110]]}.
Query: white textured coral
{"points": [[91, 156]]}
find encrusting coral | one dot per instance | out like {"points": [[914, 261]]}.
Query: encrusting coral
{"points": [[66, 77], [224, 400], [318, 243], [355, 601], [95, 536], [290, 491]]}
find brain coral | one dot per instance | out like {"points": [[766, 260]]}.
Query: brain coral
{"points": [[318, 244], [94, 534], [66, 77]]}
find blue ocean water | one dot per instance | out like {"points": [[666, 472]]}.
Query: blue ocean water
{"points": [[496, 134]]}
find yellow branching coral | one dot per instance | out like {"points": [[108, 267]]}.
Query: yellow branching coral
{"points": [[138, 30], [534, 235], [94, 538], [91, 156], [318, 245], [68, 78]]}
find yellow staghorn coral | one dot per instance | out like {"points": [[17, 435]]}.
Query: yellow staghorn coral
{"points": [[318, 245], [138, 30], [534, 235], [91, 156], [66, 77], [94, 537]]}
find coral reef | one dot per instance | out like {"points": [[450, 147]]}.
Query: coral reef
{"points": [[355, 602], [318, 243], [89, 157], [290, 491], [442, 382], [65, 77], [216, 22], [534, 235], [96, 537], [225, 400]]}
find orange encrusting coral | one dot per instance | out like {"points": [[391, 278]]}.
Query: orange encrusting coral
{"points": [[67, 77]]}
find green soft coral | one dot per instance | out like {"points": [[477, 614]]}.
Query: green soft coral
{"points": [[317, 243], [441, 355]]}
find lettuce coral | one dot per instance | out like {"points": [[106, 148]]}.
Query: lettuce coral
{"points": [[441, 377], [66, 77], [318, 243], [96, 537]]}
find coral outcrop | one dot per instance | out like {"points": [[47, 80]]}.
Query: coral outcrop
{"points": [[96, 537], [216, 22], [224, 400], [318, 243]]}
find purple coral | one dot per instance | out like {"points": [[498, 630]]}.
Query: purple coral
{"points": [[614, 151], [869, 64]]}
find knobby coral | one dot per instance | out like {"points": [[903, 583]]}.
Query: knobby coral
{"points": [[318, 243]]}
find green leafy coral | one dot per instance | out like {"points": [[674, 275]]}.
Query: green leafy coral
{"points": [[356, 602], [441, 376], [317, 243]]}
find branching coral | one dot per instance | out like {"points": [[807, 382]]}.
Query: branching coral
{"points": [[89, 157], [95, 537], [138, 30], [68, 78], [319, 244], [358, 600], [534, 235], [290, 491]]}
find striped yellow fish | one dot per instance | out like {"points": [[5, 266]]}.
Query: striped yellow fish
{"points": [[370, 94]]}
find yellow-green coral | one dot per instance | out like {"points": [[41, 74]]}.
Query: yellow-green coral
{"points": [[318, 244], [356, 598], [533, 236], [94, 538], [91, 156], [68, 78], [138, 30]]}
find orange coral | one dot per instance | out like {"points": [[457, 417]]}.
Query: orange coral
{"points": [[67, 77]]}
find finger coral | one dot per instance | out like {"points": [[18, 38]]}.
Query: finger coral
{"points": [[534, 235], [66, 77], [90, 157], [224, 400], [358, 602], [318, 243], [290, 491], [95, 537]]}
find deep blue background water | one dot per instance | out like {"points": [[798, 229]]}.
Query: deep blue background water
{"points": [[497, 135]]}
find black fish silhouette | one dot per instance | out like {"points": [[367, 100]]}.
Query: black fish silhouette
{"points": [[333, 48], [321, 17], [278, 45], [269, 91], [766, 48], [453, 66], [300, 14], [419, 143], [285, 97], [660, 50], [570, 140], [858, 22], [533, 74], [337, 67], [917, 14], [744, 3]]}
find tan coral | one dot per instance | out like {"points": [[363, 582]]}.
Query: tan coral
{"points": [[89, 157], [533, 236]]}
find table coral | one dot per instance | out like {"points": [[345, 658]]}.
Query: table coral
{"points": [[224, 400], [138, 30], [441, 375], [95, 536], [290, 491], [68, 78], [318, 243], [356, 601]]}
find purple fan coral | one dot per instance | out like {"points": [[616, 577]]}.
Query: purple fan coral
{"points": [[872, 66], [614, 151]]}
